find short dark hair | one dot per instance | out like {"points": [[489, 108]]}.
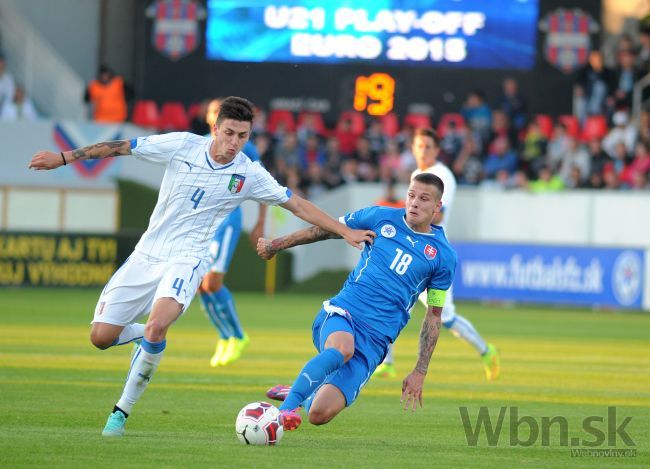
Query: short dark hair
{"points": [[431, 180], [427, 132], [235, 108]]}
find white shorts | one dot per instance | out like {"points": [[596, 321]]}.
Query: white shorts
{"points": [[138, 283], [449, 308]]}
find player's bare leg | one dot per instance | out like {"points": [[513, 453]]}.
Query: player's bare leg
{"points": [[327, 404], [103, 335], [145, 362]]}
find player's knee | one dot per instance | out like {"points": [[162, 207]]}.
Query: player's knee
{"points": [[155, 330], [211, 283], [101, 340], [346, 349], [320, 416]]}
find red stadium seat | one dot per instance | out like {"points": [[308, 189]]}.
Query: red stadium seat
{"points": [[193, 111], [173, 117], [280, 115], [319, 123], [545, 123], [145, 113], [447, 119], [417, 120], [356, 118], [389, 124], [571, 123], [594, 127]]}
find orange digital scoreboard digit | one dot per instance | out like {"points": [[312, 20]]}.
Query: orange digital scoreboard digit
{"points": [[374, 94]]}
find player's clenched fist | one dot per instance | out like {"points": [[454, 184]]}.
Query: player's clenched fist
{"points": [[45, 160], [265, 248]]}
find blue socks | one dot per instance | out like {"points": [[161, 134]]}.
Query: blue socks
{"points": [[225, 301], [312, 376], [214, 313]]}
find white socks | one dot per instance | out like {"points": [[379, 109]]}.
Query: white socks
{"points": [[130, 333], [144, 364]]}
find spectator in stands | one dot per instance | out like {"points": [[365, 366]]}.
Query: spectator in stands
{"points": [[375, 136], [18, 108], [367, 168], [314, 183], [390, 163], [259, 122], [644, 126], [640, 181], [349, 171], [501, 128], [477, 115], [546, 182], [333, 161], [347, 137], [595, 83], [598, 158], [7, 84], [408, 160], [264, 148], [468, 167], [287, 152], [557, 146], [107, 95], [640, 164], [576, 156], [595, 181], [625, 75], [311, 152], [619, 166], [533, 150], [451, 143], [513, 103], [610, 179], [643, 55], [198, 124], [501, 158], [623, 131], [306, 129]]}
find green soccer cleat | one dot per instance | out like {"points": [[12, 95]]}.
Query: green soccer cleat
{"points": [[491, 362], [115, 424], [234, 349], [385, 371], [215, 361]]}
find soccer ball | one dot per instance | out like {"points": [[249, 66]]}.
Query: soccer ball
{"points": [[259, 423]]}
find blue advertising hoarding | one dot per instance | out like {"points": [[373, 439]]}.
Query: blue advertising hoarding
{"points": [[550, 274], [440, 33]]}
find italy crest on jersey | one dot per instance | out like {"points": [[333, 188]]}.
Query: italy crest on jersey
{"points": [[430, 252], [236, 183]]}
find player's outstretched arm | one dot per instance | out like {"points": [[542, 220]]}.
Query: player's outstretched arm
{"points": [[266, 248], [44, 160], [413, 383], [312, 214]]}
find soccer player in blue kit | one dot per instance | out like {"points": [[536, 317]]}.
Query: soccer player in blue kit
{"points": [[353, 330], [216, 298]]}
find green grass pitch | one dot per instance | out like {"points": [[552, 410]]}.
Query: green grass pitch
{"points": [[56, 390]]}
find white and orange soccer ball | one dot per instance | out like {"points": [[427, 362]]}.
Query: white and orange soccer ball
{"points": [[259, 423]]}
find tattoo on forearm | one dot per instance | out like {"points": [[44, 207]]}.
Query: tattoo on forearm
{"points": [[306, 236], [102, 150], [428, 340]]}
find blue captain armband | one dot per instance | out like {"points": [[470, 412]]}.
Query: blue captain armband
{"points": [[436, 298]]}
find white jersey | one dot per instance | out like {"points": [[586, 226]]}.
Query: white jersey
{"points": [[449, 180], [196, 194]]}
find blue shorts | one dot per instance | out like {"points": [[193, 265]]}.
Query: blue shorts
{"points": [[225, 241], [369, 351]]}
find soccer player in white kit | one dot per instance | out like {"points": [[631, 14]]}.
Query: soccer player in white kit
{"points": [[205, 179], [425, 149]]}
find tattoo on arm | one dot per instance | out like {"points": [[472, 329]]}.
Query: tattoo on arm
{"points": [[102, 150], [306, 236], [428, 340]]}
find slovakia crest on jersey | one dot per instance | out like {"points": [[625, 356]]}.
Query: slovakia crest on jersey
{"points": [[430, 252], [236, 183], [568, 40], [176, 26]]}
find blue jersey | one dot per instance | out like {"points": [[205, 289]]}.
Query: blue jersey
{"points": [[250, 150], [380, 292]]}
